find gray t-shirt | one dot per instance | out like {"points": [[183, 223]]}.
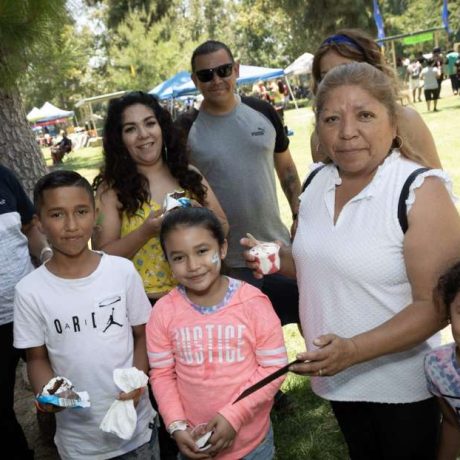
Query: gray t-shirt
{"points": [[235, 153]]}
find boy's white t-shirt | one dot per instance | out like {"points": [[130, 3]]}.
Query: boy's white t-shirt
{"points": [[86, 326]]}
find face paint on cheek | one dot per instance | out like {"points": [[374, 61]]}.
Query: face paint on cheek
{"points": [[215, 259]]}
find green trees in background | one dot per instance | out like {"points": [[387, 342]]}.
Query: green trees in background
{"points": [[25, 27], [138, 43]]}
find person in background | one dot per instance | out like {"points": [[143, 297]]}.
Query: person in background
{"points": [[442, 365], [82, 315], [430, 75], [414, 70], [349, 45], [375, 230], [208, 340], [63, 146], [20, 239], [438, 61], [451, 58]]}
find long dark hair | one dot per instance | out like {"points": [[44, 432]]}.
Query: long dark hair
{"points": [[119, 171]]}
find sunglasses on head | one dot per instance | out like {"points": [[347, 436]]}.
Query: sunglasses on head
{"points": [[222, 71]]}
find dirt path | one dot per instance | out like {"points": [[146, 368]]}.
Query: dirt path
{"points": [[26, 414]]}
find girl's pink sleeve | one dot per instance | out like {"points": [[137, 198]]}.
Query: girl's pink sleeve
{"points": [[271, 355], [162, 363]]}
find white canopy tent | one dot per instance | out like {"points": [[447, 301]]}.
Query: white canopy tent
{"points": [[302, 65], [34, 115], [47, 113]]}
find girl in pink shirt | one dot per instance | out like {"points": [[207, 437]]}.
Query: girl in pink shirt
{"points": [[208, 340]]}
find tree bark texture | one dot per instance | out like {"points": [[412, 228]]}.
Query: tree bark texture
{"points": [[19, 150]]}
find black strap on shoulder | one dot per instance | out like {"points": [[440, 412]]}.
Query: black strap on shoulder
{"points": [[310, 178], [402, 211]]}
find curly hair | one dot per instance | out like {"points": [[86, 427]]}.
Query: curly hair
{"points": [[119, 171], [352, 44], [448, 287]]}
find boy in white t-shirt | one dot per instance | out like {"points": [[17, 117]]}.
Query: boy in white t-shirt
{"points": [[80, 316]]}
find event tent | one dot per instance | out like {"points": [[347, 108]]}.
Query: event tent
{"points": [[301, 65], [47, 113], [165, 90], [51, 112], [248, 74], [34, 115]]}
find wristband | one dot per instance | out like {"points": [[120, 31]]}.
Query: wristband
{"points": [[178, 425], [45, 250]]}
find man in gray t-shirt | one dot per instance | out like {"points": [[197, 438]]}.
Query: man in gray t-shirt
{"points": [[238, 144]]}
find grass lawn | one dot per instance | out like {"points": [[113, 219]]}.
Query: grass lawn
{"points": [[308, 430]]}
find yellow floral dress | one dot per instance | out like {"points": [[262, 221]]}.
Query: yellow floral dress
{"points": [[149, 260]]}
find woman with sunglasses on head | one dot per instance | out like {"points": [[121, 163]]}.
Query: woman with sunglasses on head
{"points": [[349, 45], [143, 162]]}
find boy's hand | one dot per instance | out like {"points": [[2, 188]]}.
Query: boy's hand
{"points": [[135, 395], [223, 435], [48, 408], [187, 446]]}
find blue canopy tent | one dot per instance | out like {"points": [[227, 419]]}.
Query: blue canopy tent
{"points": [[165, 89]]}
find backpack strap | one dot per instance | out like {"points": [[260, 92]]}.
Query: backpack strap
{"points": [[402, 210], [310, 178]]}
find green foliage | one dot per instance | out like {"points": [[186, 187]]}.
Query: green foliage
{"points": [[25, 26], [62, 74], [141, 56], [311, 21]]}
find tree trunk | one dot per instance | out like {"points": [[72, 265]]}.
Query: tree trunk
{"points": [[19, 150]]}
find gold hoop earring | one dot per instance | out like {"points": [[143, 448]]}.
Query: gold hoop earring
{"points": [[398, 142]]}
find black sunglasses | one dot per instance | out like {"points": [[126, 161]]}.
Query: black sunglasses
{"points": [[222, 71]]}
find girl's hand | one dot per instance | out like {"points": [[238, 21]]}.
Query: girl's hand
{"points": [[187, 446], [334, 354], [223, 435], [135, 395]]}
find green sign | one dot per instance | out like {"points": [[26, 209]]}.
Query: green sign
{"points": [[413, 39]]}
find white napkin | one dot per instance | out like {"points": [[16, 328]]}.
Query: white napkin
{"points": [[121, 418]]}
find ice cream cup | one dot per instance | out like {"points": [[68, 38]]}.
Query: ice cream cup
{"points": [[267, 256]]}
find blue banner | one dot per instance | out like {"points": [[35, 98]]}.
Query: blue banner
{"points": [[378, 21], [445, 17]]}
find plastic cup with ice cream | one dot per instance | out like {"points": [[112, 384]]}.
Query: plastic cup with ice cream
{"points": [[201, 436], [267, 256]]}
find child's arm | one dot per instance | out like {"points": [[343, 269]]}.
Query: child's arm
{"points": [[449, 445], [162, 364], [139, 361], [40, 373], [140, 349], [38, 368]]}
